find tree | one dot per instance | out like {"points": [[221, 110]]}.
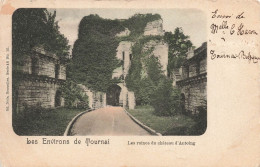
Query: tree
{"points": [[165, 98], [36, 27], [72, 94], [179, 44], [94, 53]]}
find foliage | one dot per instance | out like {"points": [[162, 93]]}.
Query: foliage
{"points": [[37, 121], [201, 120], [145, 70], [137, 23], [144, 92], [179, 44], [36, 27], [166, 99], [94, 53], [73, 95]]}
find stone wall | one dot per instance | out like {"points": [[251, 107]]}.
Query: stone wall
{"points": [[96, 99], [99, 100], [42, 75], [126, 97], [62, 73], [124, 54], [193, 82], [38, 92], [195, 95], [154, 28], [160, 50], [44, 66], [131, 100]]}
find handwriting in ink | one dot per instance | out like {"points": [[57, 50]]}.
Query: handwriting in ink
{"points": [[240, 16], [241, 55], [215, 27], [219, 16], [241, 30]]}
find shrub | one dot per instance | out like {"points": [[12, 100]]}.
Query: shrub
{"points": [[74, 96], [166, 99], [144, 91], [81, 104]]}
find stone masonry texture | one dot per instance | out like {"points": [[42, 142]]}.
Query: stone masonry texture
{"points": [[43, 74]]}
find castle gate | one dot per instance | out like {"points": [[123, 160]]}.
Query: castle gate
{"points": [[113, 93]]}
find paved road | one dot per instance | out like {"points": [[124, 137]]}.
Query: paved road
{"points": [[108, 121]]}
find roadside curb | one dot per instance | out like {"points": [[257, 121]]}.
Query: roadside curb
{"points": [[150, 130], [68, 129]]}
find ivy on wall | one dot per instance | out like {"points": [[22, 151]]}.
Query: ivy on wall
{"points": [[94, 58], [94, 52], [145, 70]]}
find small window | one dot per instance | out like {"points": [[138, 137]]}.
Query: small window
{"points": [[123, 57], [57, 71], [35, 66], [101, 98], [198, 68], [188, 71], [58, 98]]}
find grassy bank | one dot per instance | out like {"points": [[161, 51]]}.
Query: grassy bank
{"points": [[43, 122], [170, 125]]}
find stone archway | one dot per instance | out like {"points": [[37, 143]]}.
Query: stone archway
{"points": [[113, 94]]}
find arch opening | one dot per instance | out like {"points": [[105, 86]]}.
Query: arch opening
{"points": [[58, 98], [113, 93]]}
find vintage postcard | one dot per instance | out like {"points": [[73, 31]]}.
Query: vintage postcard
{"points": [[130, 83]]}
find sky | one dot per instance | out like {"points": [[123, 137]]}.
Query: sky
{"points": [[192, 21]]}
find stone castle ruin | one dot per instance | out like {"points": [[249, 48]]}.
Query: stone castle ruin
{"points": [[42, 75], [154, 28], [44, 72], [119, 94]]}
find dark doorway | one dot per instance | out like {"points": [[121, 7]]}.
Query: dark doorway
{"points": [[113, 93], [58, 98], [57, 71]]}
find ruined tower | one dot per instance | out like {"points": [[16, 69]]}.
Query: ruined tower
{"points": [[124, 53]]}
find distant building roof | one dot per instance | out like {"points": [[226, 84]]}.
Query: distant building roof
{"points": [[199, 53]]}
